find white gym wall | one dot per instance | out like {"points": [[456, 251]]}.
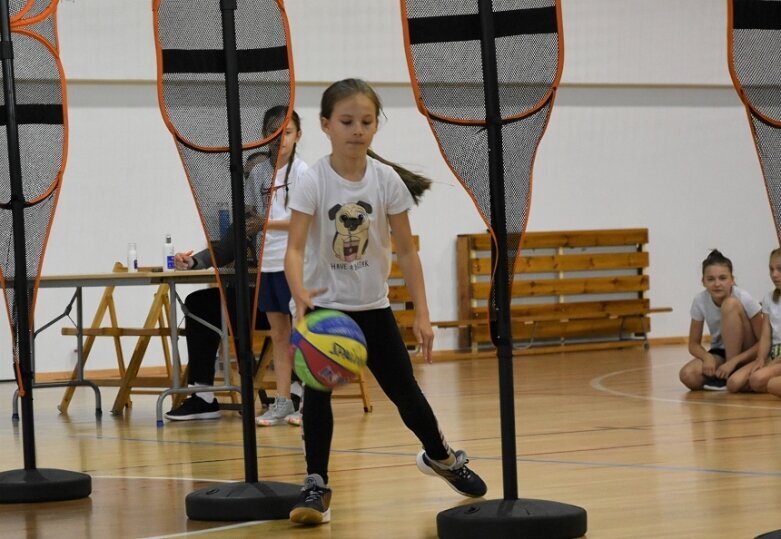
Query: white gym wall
{"points": [[646, 132]]}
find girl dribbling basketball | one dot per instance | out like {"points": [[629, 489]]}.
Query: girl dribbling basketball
{"points": [[343, 211]]}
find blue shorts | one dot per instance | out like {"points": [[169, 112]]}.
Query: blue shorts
{"points": [[274, 295]]}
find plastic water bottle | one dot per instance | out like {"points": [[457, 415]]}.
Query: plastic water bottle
{"points": [[168, 254], [132, 258]]}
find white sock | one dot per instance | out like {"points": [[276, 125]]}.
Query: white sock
{"points": [[207, 396]]}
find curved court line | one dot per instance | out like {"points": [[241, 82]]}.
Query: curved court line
{"points": [[209, 530], [597, 384]]}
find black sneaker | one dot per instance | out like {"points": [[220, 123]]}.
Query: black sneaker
{"points": [[458, 476], [314, 504], [714, 384], [194, 408]]}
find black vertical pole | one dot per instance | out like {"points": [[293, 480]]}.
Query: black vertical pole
{"points": [[252, 499], [501, 327], [510, 516], [21, 285], [30, 484], [242, 337]]}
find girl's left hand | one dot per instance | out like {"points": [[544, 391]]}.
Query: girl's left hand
{"points": [[424, 335], [725, 369]]}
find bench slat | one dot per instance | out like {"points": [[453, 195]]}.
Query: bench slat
{"points": [[569, 238], [571, 329], [579, 262], [568, 287], [574, 308]]}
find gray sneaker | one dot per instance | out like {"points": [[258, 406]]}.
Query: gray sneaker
{"points": [[276, 413]]}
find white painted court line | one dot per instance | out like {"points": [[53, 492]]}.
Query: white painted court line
{"points": [[598, 384], [210, 530]]}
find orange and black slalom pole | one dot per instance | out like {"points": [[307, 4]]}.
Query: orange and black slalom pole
{"points": [[31, 484], [248, 41], [512, 100], [753, 39]]}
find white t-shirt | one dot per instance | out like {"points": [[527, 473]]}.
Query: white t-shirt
{"points": [[348, 251], [276, 240], [772, 311], [703, 308]]}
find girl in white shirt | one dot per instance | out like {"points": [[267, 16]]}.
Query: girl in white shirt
{"points": [[766, 368], [734, 320], [274, 294], [344, 209]]}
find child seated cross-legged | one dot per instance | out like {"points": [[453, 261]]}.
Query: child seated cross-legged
{"points": [[734, 320], [766, 372]]}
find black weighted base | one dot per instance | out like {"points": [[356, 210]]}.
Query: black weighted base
{"points": [[770, 535], [517, 519], [43, 485], [264, 500]]}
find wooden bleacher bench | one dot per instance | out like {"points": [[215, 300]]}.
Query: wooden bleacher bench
{"points": [[583, 289]]}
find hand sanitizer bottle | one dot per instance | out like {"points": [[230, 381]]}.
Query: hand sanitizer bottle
{"points": [[168, 254], [132, 258]]}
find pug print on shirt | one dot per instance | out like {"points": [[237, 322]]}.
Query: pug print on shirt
{"points": [[351, 237], [348, 249]]}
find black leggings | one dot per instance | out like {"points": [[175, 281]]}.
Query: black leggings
{"points": [[390, 363]]}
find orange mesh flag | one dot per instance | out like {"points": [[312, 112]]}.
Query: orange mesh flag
{"points": [[192, 94], [41, 115], [754, 49]]}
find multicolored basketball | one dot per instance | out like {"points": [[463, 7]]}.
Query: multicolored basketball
{"points": [[329, 349]]}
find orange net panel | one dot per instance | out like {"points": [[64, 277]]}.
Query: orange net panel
{"points": [[191, 87], [754, 54], [42, 126], [445, 57]]}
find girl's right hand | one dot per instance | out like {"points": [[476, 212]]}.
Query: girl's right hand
{"points": [[709, 365], [304, 302]]}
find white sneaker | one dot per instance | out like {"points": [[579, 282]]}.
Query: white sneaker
{"points": [[276, 413]]}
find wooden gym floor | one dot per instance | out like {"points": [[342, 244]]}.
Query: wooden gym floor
{"points": [[613, 432]]}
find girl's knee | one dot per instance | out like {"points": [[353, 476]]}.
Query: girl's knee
{"points": [[774, 386], [408, 401], [690, 378], [731, 304], [736, 384], [692, 368], [758, 381]]}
